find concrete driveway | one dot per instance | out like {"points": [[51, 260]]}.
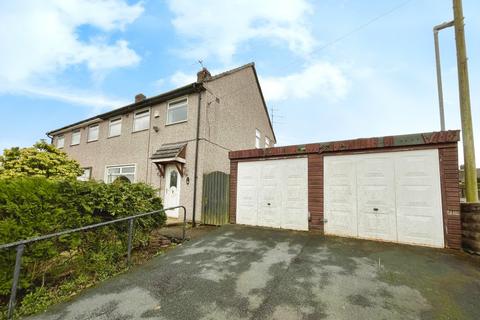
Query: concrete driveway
{"points": [[239, 272]]}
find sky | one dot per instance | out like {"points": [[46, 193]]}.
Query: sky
{"points": [[330, 69]]}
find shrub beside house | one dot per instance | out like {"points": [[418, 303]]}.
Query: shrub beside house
{"points": [[39, 194]]}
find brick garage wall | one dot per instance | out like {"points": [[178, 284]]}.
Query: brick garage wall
{"points": [[450, 195], [315, 191], [233, 191], [446, 143]]}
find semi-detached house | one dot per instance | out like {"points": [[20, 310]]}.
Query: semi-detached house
{"points": [[171, 140]]}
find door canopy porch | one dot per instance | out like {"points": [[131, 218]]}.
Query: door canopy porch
{"points": [[172, 153]]}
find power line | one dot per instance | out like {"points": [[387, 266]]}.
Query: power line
{"points": [[336, 40], [364, 25], [332, 42]]}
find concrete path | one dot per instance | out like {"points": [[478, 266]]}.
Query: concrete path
{"points": [[238, 272]]}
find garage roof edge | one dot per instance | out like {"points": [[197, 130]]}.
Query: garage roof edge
{"points": [[415, 139]]}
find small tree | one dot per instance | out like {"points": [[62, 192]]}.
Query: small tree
{"points": [[42, 159]]}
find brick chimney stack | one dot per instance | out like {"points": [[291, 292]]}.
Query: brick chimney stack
{"points": [[203, 75], [140, 97]]}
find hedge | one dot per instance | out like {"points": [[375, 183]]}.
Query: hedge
{"points": [[33, 206]]}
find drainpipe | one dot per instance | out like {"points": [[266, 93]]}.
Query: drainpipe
{"points": [[51, 137], [197, 140], [150, 128], [436, 29]]}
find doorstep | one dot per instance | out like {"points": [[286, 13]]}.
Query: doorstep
{"points": [[173, 221]]}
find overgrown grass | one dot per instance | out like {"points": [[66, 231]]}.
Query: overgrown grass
{"points": [[39, 299]]}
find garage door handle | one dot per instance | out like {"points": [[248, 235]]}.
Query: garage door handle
{"points": [[268, 203], [375, 209]]}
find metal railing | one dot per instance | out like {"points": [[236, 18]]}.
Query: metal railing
{"points": [[20, 245]]}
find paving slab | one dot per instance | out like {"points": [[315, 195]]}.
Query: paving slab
{"points": [[238, 272]]}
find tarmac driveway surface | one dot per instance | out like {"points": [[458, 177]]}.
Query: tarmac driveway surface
{"points": [[239, 272]]}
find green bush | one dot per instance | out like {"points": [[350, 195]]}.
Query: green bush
{"points": [[42, 159], [33, 206]]}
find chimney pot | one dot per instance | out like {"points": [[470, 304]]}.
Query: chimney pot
{"points": [[203, 75], [140, 97]]}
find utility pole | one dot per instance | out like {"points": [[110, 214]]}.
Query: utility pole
{"points": [[471, 188]]}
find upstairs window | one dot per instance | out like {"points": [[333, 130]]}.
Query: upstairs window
{"points": [[141, 120], [92, 133], [267, 142], [76, 135], [115, 127], [177, 111], [115, 172], [257, 138], [60, 142]]}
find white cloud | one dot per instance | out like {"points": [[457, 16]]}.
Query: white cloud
{"points": [[177, 79], [41, 39], [320, 79], [99, 102], [181, 78], [219, 27]]}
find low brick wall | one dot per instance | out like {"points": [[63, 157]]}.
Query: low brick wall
{"points": [[471, 227]]}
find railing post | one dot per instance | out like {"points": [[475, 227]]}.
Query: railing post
{"points": [[129, 245], [184, 223], [16, 275]]}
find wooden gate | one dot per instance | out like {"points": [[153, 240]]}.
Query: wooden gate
{"points": [[215, 198]]}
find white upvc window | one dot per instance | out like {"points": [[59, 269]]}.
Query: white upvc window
{"points": [[92, 133], [258, 137], [114, 172], [115, 127], [267, 142], [60, 141], [177, 111], [141, 120], [76, 135], [87, 174]]}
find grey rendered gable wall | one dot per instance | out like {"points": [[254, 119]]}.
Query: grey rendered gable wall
{"points": [[238, 113]]}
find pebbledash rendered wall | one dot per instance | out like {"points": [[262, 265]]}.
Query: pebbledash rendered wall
{"points": [[445, 142]]}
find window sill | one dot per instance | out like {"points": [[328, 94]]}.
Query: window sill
{"points": [[76, 144], [140, 130], [92, 141], [115, 136], [174, 123]]}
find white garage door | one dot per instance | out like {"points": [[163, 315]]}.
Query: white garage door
{"points": [[273, 193], [392, 196]]}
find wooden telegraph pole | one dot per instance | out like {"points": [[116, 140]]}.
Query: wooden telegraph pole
{"points": [[471, 189]]}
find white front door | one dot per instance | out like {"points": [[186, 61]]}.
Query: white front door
{"points": [[392, 196], [172, 190], [273, 193]]}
